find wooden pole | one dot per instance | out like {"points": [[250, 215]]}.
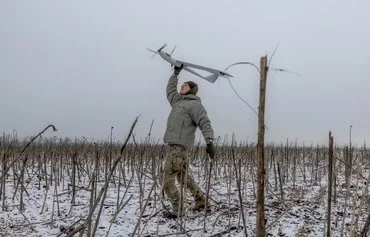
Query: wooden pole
{"points": [[330, 184], [260, 225]]}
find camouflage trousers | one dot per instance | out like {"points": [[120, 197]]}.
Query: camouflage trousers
{"points": [[176, 168]]}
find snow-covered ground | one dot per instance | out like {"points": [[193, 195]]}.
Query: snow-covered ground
{"points": [[301, 212]]}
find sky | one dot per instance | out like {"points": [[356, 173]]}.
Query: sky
{"points": [[83, 66]]}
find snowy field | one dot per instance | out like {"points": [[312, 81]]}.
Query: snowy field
{"points": [[50, 191]]}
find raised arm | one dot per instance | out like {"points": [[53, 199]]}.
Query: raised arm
{"points": [[172, 94]]}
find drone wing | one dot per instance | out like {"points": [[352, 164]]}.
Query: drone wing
{"points": [[211, 78], [194, 72], [207, 69]]}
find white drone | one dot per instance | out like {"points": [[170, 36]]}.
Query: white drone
{"points": [[187, 66]]}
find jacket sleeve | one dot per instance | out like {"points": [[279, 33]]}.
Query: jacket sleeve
{"points": [[172, 95], [199, 116]]}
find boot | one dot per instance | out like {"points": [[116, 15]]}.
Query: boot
{"points": [[201, 205], [180, 212]]}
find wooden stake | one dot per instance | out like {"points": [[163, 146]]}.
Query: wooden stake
{"points": [[330, 184], [260, 225]]}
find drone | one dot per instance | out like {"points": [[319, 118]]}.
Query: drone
{"points": [[189, 66]]}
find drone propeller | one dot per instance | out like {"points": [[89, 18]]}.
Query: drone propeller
{"points": [[150, 50], [159, 50], [154, 52], [173, 50]]}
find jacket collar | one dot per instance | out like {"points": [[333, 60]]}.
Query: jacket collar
{"points": [[190, 97]]}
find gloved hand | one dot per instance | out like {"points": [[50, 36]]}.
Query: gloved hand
{"points": [[177, 70], [211, 151]]}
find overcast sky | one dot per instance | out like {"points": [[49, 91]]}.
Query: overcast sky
{"points": [[83, 66]]}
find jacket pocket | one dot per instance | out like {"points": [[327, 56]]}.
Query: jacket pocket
{"points": [[182, 129]]}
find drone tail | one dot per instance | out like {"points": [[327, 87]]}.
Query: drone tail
{"points": [[211, 78]]}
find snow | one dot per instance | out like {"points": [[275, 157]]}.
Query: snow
{"points": [[302, 212]]}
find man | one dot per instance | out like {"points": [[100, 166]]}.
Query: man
{"points": [[186, 115]]}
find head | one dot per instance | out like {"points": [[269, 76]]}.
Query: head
{"points": [[189, 87]]}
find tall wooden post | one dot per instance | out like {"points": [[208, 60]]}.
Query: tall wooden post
{"points": [[330, 184], [260, 225]]}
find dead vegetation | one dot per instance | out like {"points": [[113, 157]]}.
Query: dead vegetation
{"points": [[76, 187]]}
